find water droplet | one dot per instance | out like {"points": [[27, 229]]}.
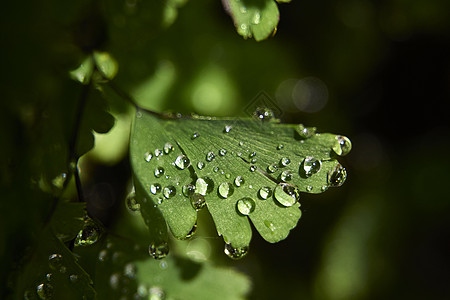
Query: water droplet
{"points": [[309, 188], [311, 166], [239, 181], [159, 171], [222, 152], [253, 154], [169, 191], [55, 261], [280, 146], [156, 293], [188, 190], [195, 135], [324, 188], [256, 18], [225, 190], [264, 114], [285, 161], [243, 9], [286, 195], [227, 128], [198, 201], [235, 253], [191, 232], [252, 168], [168, 147], [148, 156], [286, 175], [216, 169], [159, 200], [158, 251], [241, 143], [265, 192], [103, 255], [44, 291], [89, 234], [210, 156], [155, 188], [337, 176], [158, 152], [73, 278], [49, 276], [269, 225], [272, 168], [342, 146], [129, 270], [131, 202], [245, 206], [200, 165], [182, 162], [114, 280], [204, 185], [305, 132]]}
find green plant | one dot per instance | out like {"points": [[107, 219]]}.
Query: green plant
{"points": [[244, 169]]}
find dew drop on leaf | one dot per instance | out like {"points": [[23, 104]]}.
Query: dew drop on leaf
{"points": [[239, 181], [342, 145], [159, 171], [131, 202], [264, 114], [204, 185], [191, 232], [88, 235], [195, 135], [73, 278], [198, 201], [269, 225], [280, 146], [227, 128], [44, 291], [225, 190], [337, 176], [168, 147], [114, 280], [235, 253], [148, 156], [129, 270], [309, 188], [285, 161], [158, 251], [245, 206], [55, 261], [155, 188], [222, 152], [169, 191], [158, 152], [156, 293], [252, 168], [48, 276], [286, 175], [210, 156], [286, 195], [256, 18], [182, 162], [305, 132], [103, 255], [272, 168], [311, 166], [265, 192], [200, 165], [188, 190]]}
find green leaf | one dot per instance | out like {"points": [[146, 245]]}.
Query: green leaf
{"points": [[253, 18], [68, 219], [275, 161]]}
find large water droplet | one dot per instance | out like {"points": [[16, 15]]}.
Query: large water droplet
{"points": [[222, 152], [131, 203], [225, 190], [264, 114], [337, 176], [311, 166], [286, 175], [265, 192], [89, 234], [305, 132], [169, 191], [44, 291], [210, 156], [284, 162], [198, 201], [158, 251], [204, 185], [168, 147], [148, 156], [287, 195], [246, 206], [235, 253], [239, 181], [200, 165], [182, 162], [155, 188], [55, 261], [227, 128], [188, 190], [342, 146], [159, 171], [272, 168]]}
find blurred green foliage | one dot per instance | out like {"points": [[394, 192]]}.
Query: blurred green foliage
{"points": [[376, 71]]}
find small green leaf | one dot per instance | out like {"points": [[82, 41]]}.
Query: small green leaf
{"points": [[245, 170], [257, 19]]}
